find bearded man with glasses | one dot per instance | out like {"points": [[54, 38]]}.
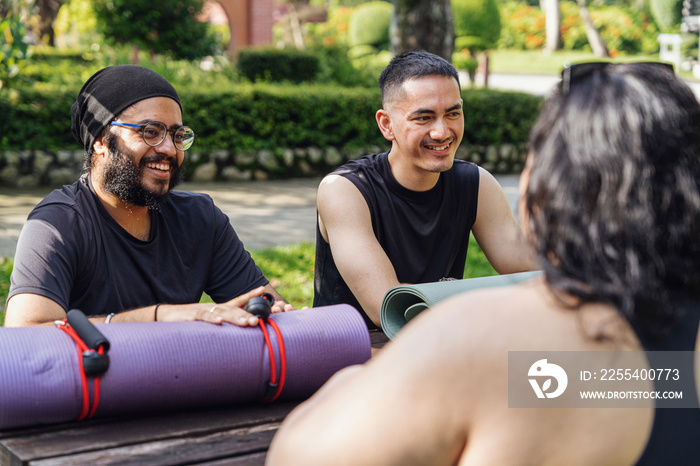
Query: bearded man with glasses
{"points": [[119, 243]]}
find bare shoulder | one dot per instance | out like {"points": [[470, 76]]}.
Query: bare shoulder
{"points": [[341, 206], [336, 188], [487, 181]]}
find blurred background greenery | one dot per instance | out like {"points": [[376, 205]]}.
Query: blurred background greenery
{"points": [[62, 42]]}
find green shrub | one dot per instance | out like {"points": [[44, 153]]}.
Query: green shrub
{"points": [[494, 117], [463, 61], [37, 119], [369, 25], [169, 27], [667, 14], [479, 19], [271, 64], [336, 66], [373, 63]]}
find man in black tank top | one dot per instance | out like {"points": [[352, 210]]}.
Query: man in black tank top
{"points": [[405, 216]]}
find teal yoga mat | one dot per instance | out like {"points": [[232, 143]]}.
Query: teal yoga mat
{"points": [[402, 303]]}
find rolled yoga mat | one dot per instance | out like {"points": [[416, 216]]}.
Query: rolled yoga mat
{"points": [[173, 365], [402, 303]]}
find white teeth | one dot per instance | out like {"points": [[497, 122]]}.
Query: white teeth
{"points": [[159, 166], [439, 147]]}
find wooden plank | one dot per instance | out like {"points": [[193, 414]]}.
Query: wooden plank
{"points": [[79, 437], [255, 459], [186, 450]]}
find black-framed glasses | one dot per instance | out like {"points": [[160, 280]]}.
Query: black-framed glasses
{"points": [[154, 134], [577, 71]]}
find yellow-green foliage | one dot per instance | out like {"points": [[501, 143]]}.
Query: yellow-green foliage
{"points": [[369, 25], [478, 19]]}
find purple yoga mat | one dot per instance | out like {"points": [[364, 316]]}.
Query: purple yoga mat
{"points": [[168, 365]]}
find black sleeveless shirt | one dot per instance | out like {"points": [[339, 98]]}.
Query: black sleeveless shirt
{"points": [[675, 434], [424, 234]]}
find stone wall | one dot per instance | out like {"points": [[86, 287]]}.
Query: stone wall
{"points": [[27, 169]]}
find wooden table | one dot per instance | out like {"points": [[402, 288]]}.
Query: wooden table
{"points": [[232, 435]]}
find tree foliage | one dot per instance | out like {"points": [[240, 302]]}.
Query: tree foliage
{"points": [[168, 27], [13, 49]]}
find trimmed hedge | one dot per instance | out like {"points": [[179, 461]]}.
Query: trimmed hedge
{"points": [[262, 116], [272, 64]]}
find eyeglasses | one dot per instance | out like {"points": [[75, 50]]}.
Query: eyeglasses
{"points": [[154, 134], [578, 71]]}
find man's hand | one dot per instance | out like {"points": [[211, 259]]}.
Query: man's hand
{"points": [[232, 311]]}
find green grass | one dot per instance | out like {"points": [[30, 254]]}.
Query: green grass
{"points": [[477, 264], [5, 271], [290, 269], [538, 62]]}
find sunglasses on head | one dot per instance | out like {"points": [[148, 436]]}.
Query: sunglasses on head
{"points": [[578, 71]]}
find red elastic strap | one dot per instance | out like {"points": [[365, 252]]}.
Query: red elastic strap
{"points": [[273, 366], [86, 411]]}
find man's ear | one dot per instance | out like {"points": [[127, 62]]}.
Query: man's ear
{"points": [[99, 147], [384, 123]]}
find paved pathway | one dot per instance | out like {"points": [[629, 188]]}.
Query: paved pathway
{"points": [[264, 213]]}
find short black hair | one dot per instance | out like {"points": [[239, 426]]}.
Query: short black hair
{"points": [[414, 64], [612, 204]]}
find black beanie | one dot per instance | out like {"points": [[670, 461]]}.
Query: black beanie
{"points": [[108, 93]]}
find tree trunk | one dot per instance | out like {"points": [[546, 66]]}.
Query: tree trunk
{"points": [[597, 45], [552, 16], [423, 25], [47, 11], [295, 25]]}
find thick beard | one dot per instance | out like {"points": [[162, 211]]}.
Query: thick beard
{"points": [[123, 178]]}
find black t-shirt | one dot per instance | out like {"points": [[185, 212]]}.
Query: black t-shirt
{"points": [[73, 252], [424, 234]]}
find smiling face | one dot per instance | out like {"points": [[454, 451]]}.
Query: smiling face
{"points": [[425, 123], [132, 170]]}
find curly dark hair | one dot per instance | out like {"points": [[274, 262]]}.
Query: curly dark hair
{"points": [[612, 205]]}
